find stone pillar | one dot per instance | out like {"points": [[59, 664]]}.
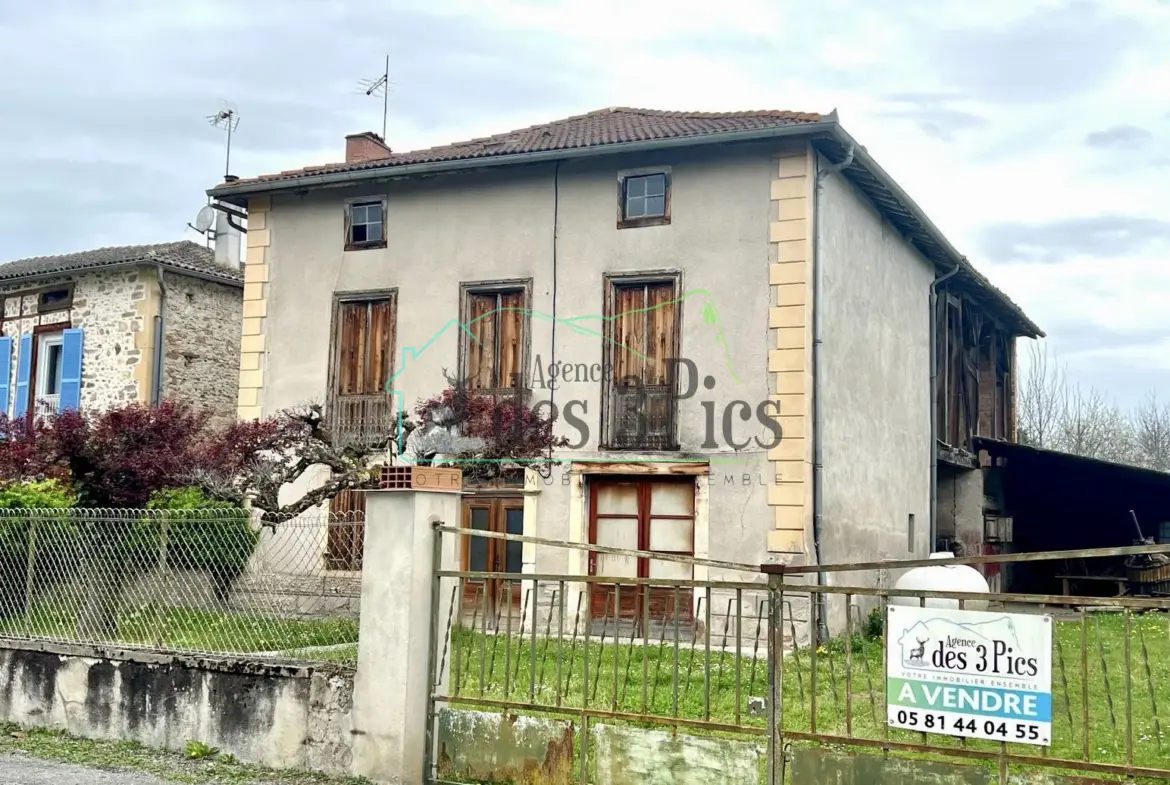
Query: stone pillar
{"points": [[400, 607]]}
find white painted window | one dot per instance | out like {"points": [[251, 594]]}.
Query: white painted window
{"points": [[50, 354]]}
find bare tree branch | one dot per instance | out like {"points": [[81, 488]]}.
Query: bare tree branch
{"points": [[1042, 394], [1151, 426]]}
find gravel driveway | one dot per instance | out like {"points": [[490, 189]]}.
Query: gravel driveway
{"points": [[24, 770]]}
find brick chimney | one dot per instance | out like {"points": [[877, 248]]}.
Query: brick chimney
{"points": [[366, 146]]}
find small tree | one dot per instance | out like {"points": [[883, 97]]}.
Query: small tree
{"points": [[252, 460], [484, 436]]}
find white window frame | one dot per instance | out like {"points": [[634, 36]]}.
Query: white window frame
{"points": [[45, 403]]}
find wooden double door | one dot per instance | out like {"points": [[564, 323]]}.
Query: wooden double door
{"points": [[656, 515], [502, 515]]}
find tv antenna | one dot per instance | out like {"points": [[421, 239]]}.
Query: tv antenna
{"points": [[380, 86], [228, 117]]}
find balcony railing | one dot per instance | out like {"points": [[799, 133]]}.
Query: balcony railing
{"points": [[47, 405], [361, 420], [640, 418]]}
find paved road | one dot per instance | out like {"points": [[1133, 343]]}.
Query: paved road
{"points": [[22, 770]]}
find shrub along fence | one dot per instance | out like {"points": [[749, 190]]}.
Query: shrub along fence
{"points": [[206, 581]]}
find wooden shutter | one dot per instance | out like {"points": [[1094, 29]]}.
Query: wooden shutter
{"points": [[643, 327], [628, 320], [5, 373], [365, 346], [379, 360], [494, 352], [661, 329], [510, 342], [481, 347], [351, 348], [23, 372], [71, 356]]}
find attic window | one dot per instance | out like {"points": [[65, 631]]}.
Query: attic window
{"points": [[365, 227], [58, 298], [643, 198]]}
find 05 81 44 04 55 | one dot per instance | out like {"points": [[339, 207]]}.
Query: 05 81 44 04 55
{"points": [[970, 726]]}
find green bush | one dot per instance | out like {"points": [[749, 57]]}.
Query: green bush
{"points": [[36, 494], [54, 537], [220, 543]]}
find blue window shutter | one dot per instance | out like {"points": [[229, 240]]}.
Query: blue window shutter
{"points": [[23, 371], [71, 345], [5, 373]]}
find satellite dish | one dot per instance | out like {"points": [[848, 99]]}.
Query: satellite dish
{"points": [[205, 218]]}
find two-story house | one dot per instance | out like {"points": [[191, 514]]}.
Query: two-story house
{"points": [[117, 325], [767, 250]]}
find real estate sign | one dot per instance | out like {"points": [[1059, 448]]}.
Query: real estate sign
{"points": [[976, 674]]}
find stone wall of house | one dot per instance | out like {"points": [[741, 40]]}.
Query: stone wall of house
{"points": [[201, 338], [106, 306]]}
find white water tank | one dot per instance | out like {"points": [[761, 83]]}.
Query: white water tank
{"points": [[943, 577]]}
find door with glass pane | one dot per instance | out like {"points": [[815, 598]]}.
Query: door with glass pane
{"points": [[503, 515], [644, 515]]}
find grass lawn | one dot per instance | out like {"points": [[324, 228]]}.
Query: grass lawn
{"points": [[496, 667], [202, 631]]}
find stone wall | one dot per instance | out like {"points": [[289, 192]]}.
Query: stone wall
{"points": [[201, 336], [283, 716], [106, 306], [116, 308]]}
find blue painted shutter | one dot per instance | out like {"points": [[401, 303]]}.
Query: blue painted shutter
{"points": [[23, 370], [71, 344], [5, 373]]}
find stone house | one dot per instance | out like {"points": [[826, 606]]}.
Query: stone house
{"points": [[115, 325], [673, 285]]}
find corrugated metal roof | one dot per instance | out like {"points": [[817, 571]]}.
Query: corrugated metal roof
{"points": [[182, 256]]}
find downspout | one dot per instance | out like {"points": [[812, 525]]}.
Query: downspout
{"points": [[934, 406], [818, 420], [159, 334]]}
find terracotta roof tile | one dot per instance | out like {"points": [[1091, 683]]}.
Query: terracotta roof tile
{"points": [[605, 126]]}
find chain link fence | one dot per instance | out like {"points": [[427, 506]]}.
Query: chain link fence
{"points": [[213, 581]]}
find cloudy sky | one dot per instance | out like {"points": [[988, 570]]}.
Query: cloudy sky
{"points": [[1035, 134]]}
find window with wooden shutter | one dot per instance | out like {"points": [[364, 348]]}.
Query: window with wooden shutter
{"points": [[361, 408], [495, 339], [642, 340]]}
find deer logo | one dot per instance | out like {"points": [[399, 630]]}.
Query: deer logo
{"points": [[918, 653]]}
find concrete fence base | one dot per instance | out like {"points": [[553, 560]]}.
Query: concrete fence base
{"points": [[286, 717]]}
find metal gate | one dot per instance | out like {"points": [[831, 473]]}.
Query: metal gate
{"points": [[729, 688]]}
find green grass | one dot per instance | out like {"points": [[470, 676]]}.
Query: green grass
{"points": [[499, 668], [200, 630], [205, 768]]}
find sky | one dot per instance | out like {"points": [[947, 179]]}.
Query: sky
{"points": [[1034, 134]]}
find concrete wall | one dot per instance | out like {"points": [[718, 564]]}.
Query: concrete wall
{"points": [[876, 367], [274, 715], [960, 507], [202, 343], [500, 225]]}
